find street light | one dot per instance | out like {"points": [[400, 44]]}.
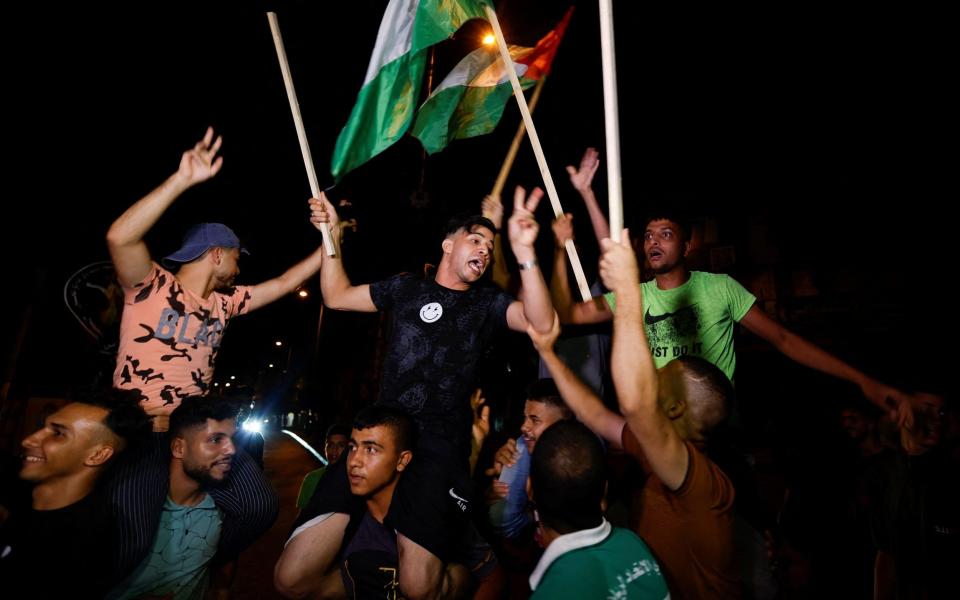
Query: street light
{"points": [[278, 343], [303, 293]]}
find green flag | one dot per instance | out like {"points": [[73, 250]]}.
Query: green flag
{"points": [[471, 99], [386, 102]]}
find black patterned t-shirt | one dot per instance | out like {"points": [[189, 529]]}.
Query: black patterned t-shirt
{"points": [[436, 338]]}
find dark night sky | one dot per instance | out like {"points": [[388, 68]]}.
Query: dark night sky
{"points": [[825, 125]]}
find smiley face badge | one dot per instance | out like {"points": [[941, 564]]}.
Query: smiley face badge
{"points": [[431, 313]]}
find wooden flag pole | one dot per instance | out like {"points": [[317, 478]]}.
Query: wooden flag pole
{"points": [[328, 242], [517, 139], [611, 120], [537, 149]]}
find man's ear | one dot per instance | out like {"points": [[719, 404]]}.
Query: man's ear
{"points": [[178, 447], [447, 246], [405, 457], [676, 408], [100, 454]]}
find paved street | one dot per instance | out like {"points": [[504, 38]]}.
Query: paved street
{"points": [[285, 462]]}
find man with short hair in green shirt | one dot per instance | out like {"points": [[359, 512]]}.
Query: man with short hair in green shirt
{"points": [[693, 312], [334, 445], [585, 557]]}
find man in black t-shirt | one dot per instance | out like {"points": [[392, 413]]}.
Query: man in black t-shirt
{"points": [[67, 529], [436, 338], [380, 449], [438, 330]]}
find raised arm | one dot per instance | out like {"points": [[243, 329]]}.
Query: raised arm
{"points": [[634, 375], [492, 208], [810, 355], [559, 280], [129, 253], [481, 426], [582, 180], [266, 292], [535, 308], [338, 292], [570, 311], [588, 408]]}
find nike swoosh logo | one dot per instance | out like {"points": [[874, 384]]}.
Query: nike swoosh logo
{"points": [[651, 320], [458, 497]]}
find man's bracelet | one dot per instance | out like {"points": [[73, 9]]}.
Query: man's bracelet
{"points": [[528, 264]]}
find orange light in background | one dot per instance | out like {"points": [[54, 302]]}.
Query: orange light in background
{"points": [[489, 40], [303, 293]]}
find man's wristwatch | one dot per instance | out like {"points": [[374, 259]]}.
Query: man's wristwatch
{"points": [[527, 264]]}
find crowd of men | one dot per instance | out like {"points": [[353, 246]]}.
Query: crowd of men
{"points": [[144, 490]]}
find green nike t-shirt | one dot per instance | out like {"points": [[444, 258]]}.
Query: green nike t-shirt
{"points": [[696, 318]]}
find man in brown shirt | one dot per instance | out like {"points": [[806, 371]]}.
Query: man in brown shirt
{"points": [[690, 527], [686, 510]]}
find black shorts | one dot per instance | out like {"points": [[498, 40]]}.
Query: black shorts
{"points": [[431, 505]]}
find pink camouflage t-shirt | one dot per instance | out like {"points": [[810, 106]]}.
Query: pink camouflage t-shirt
{"points": [[169, 339]]}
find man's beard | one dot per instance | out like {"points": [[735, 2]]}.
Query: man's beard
{"points": [[203, 477]]}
